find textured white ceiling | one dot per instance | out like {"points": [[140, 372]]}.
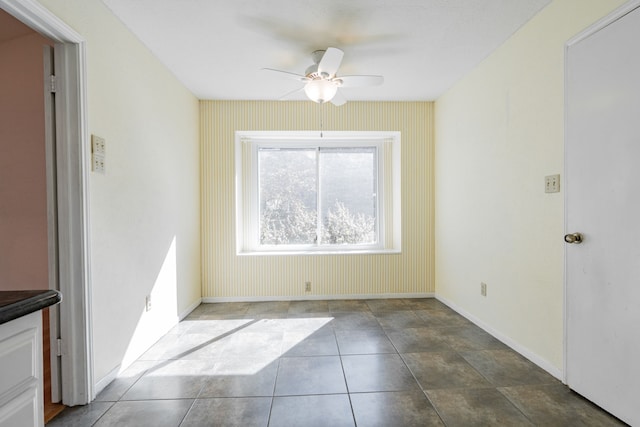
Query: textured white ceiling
{"points": [[216, 48]]}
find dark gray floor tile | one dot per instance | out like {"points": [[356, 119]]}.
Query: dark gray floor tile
{"points": [[443, 370], [177, 379], [240, 412], [119, 386], [310, 375], [556, 405], [354, 320], [506, 368], [303, 307], [311, 411], [241, 378], [397, 409], [399, 319], [377, 372], [363, 341], [232, 308], [301, 343], [156, 413], [175, 387], [476, 407], [416, 340], [469, 338], [268, 307], [378, 305], [353, 305], [424, 304], [442, 317], [80, 416]]}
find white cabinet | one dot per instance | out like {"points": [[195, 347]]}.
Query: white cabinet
{"points": [[21, 398]]}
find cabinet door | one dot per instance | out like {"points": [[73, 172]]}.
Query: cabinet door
{"points": [[23, 410]]}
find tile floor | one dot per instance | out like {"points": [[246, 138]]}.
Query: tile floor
{"points": [[393, 362]]}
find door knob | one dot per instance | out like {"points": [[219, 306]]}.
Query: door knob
{"points": [[573, 238]]}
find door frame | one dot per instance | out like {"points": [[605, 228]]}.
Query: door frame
{"points": [[72, 197], [623, 10]]}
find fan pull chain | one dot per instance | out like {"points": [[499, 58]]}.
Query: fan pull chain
{"points": [[321, 118]]}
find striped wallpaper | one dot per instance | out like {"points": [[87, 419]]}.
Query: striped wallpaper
{"points": [[227, 276]]}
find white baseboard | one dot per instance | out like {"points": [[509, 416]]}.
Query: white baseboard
{"points": [[189, 309], [106, 380], [316, 297], [533, 357]]}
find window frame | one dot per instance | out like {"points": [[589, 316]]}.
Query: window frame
{"points": [[388, 227]]}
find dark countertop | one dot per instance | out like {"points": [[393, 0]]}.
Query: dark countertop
{"points": [[14, 304]]}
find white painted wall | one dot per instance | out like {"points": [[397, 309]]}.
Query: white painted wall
{"points": [[499, 131], [145, 211]]}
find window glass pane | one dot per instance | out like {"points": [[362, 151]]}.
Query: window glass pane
{"points": [[348, 188], [288, 196]]}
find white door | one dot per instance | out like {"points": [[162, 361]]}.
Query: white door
{"points": [[603, 204], [52, 219]]}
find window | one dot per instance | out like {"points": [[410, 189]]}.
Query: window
{"points": [[307, 193]]}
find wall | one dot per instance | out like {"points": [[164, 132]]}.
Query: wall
{"points": [[228, 276], [499, 131], [145, 211], [23, 187]]}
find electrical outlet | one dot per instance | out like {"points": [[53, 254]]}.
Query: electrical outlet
{"points": [[483, 289], [98, 154], [307, 286], [147, 303], [552, 184]]}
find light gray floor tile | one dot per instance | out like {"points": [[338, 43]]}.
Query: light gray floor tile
{"points": [[312, 411], [310, 375]]}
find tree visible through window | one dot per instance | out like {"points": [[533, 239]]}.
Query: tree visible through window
{"points": [[318, 195]]}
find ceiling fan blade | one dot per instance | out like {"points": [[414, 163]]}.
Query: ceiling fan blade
{"points": [[288, 94], [330, 62], [294, 76], [359, 81], [338, 99]]}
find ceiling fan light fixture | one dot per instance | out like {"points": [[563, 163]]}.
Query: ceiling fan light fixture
{"points": [[320, 90]]}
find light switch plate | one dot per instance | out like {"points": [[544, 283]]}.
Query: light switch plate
{"points": [[98, 151], [552, 184]]}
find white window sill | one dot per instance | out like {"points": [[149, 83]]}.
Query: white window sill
{"points": [[321, 252]]}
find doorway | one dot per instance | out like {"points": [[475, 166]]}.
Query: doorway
{"points": [[71, 160]]}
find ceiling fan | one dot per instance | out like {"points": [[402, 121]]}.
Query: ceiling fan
{"points": [[320, 80]]}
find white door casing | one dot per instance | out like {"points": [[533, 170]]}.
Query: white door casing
{"points": [[72, 196], [602, 202]]}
